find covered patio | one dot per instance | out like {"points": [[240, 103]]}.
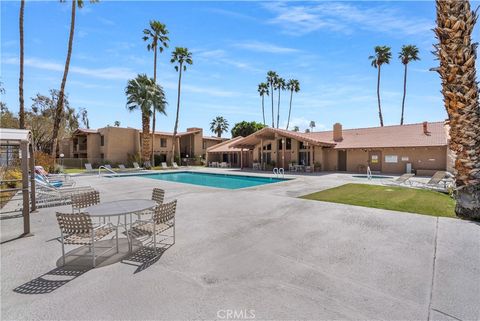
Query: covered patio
{"points": [[224, 155]]}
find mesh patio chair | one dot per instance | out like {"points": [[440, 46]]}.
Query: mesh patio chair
{"points": [[175, 166], [77, 229], [158, 195], [164, 165], [163, 219], [136, 166], [85, 199]]}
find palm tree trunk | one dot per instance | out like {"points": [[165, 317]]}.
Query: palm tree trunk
{"points": [[457, 55], [278, 107], [61, 94], [145, 137], [273, 113], [20, 80], [154, 111], [178, 112], [378, 97], [263, 109], [290, 109], [404, 93]]}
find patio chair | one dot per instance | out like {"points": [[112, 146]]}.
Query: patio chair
{"points": [[147, 165], [77, 229], [163, 219], [158, 195], [84, 199], [175, 166], [65, 178], [48, 195], [164, 165], [108, 166], [89, 168], [122, 167], [440, 181], [136, 166]]}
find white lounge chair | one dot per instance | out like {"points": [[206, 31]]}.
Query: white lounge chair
{"points": [[48, 195], [122, 167], [175, 166], [136, 166], [164, 165], [89, 168]]}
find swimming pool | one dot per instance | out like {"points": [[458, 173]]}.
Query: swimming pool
{"points": [[225, 181]]}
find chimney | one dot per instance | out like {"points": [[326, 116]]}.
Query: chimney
{"points": [[425, 128], [337, 132], [193, 129]]}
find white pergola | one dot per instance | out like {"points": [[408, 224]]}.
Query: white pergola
{"points": [[22, 139]]}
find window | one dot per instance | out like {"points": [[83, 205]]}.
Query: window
{"points": [[102, 140], [391, 159], [280, 144], [163, 142], [267, 147], [304, 158], [288, 144], [204, 144], [405, 158], [301, 145], [102, 156]]}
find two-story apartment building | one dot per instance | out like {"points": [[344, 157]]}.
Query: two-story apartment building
{"points": [[115, 144]]}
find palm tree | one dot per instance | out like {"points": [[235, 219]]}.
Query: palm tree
{"points": [[312, 126], [59, 110], [279, 85], [219, 125], [180, 57], [296, 128], [84, 117], [294, 86], [382, 56], [145, 95], [408, 53], [263, 90], [116, 123], [20, 79], [157, 37], [271, 81], [457, 54]]}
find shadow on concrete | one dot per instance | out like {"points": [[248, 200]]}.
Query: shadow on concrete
{"points": [[145, 257], [51, 280]]}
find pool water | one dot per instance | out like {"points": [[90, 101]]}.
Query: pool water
{"points": [[225, 181]]}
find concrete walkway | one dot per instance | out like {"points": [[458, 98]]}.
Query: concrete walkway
{"points": [[257, 252]]}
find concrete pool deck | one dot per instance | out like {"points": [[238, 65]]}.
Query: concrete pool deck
{"points": [[258, 249]]}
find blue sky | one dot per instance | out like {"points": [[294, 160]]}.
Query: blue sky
{"points": [[325, 45]]}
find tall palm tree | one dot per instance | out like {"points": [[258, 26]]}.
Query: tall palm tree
{"points": [[296, 128], [457, 54], [145, 95], [279, 85], [219, 125], [180, 57], [272, 77], [312, 126], [59, 110], [382, 56], [409, 53], [263, 90], [157, 39], [294, 86], [20, 78]]}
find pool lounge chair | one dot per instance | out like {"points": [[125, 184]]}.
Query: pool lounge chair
{"points": [[136, 166], [440, 181], [164, 165], [89, 168], [48, 195], [403, 179], [175, 166], [122, 167], [147, 165]]}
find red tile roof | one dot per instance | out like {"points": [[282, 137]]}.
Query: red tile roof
{"points": [[225, 146]]}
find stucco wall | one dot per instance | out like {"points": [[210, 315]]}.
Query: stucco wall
{"points": [[118, 143]]}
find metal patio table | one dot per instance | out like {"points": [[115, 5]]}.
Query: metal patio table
{"points": [[121, 208]]}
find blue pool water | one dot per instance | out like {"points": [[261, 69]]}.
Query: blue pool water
{"points": [[213, 180]]}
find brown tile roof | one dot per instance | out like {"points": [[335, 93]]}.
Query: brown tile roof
{"points": [[411, 135], [86, 131], [225, 146]]}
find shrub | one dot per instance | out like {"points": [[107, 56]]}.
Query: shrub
{"points": [[45, 160], [11, 174]]}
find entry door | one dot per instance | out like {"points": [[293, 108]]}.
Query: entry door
{"points": [[342, 160], [375, 160]]}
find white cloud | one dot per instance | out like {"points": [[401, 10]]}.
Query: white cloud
{"points": [[259, 46], [343, 17], [117, 73], [210, 91]]}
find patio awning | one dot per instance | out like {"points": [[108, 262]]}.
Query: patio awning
{"points": [[10, 136]]}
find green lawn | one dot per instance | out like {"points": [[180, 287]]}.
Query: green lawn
{"points": [[73, 170], [391, 198]]}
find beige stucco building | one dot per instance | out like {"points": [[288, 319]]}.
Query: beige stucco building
{"points": [[115, 144], [390, 149]]}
